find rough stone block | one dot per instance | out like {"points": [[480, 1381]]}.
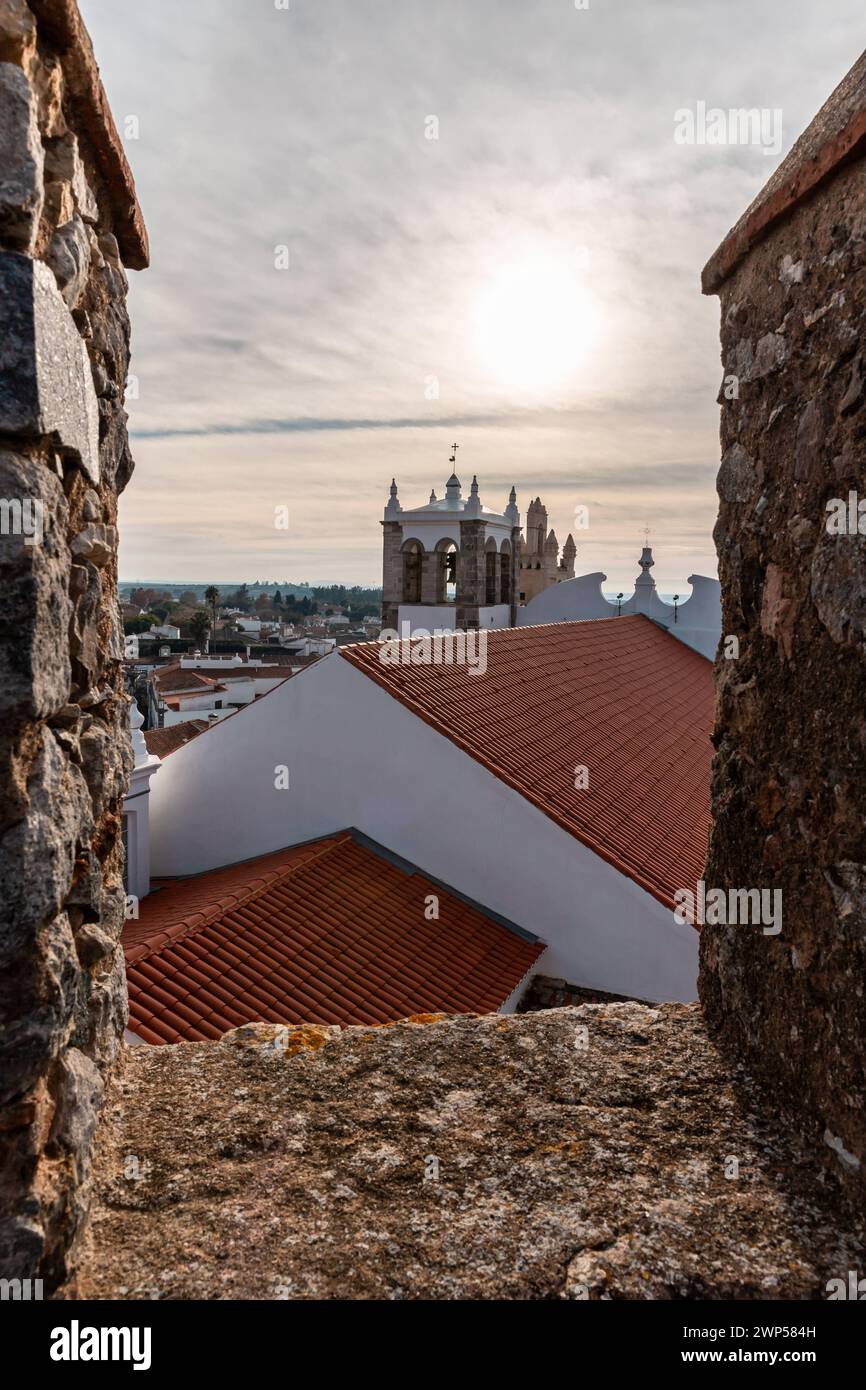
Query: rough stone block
{"points": [[95, 543], [37, 856], [63, 161], [47, 78], [35, 614], [79, 1094], [46, 385], [21, 178], [69, 258], [17, 33], [59, 203]]}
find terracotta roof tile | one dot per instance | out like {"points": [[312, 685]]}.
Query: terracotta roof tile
{"points": [[241, 673], [619, 696], [167, 740], [174, 679], [329, 932]]}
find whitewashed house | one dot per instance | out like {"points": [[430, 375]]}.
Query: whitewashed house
{"points": [[564, 786]]}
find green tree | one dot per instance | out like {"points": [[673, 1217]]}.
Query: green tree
{"points": [[212, 597], [200, 627], [143, 623]]}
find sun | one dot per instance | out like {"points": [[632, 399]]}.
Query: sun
{"points": [[535, 324]]}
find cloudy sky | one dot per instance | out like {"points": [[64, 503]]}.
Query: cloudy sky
{"points": [[379, 226]]}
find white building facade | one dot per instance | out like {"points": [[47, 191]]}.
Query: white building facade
{"points": [[136, 812]]}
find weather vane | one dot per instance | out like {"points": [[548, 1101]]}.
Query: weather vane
{"points": [[453, 458]]}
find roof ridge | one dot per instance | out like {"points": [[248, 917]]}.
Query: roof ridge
{"points": [[504, 631], [198, 921]]}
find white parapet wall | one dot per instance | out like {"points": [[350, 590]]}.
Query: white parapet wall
{"points": [[697, 621]]}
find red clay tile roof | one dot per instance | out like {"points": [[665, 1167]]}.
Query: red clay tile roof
{"points": [[174, 680], [619, 696], [329, 932], [165, 741], [242, 673]]}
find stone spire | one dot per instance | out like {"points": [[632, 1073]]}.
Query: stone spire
{"points": [[473, 506], [393, 500], [569, 553], [536, 527], [511, 510]]}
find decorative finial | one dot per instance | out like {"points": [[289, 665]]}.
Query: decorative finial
{"points": [[393, 501]]}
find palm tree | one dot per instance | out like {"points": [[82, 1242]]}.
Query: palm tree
{"points": [[212, 596], [200, 627]]}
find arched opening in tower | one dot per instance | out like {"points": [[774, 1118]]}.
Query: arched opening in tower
{"points": [[446, 579]]}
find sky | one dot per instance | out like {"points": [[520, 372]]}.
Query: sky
{"points": [[382, 226]]}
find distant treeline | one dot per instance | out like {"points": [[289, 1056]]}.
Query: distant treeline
{"points": [[330, 593], [189, 607]]}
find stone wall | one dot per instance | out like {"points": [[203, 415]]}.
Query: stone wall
{"points": [[392, 572], [471, 574], [69, 221], [789, 785], [545, 992], [594, 1153]]}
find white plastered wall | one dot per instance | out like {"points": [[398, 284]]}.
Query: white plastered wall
{"points": [[698, 618]]}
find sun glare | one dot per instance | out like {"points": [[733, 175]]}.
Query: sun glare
{"points": [[535, 324]]}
